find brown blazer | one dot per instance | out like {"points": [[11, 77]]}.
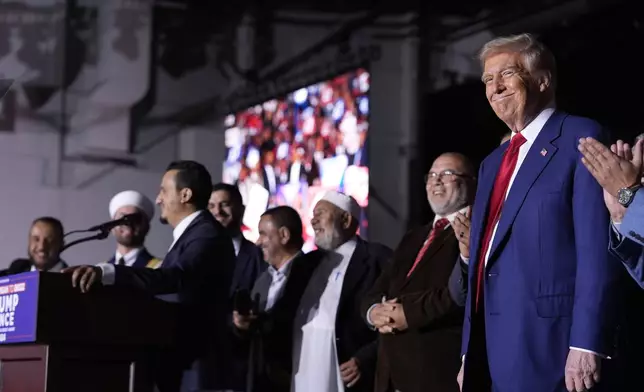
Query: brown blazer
{"points": [[425, 357]]}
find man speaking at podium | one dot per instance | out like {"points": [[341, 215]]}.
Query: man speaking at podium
{"points": [[197, 272]]}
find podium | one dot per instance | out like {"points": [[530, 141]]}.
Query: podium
{"points": [[53, 338]]}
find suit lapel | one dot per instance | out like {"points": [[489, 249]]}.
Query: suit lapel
{"points": [[530, 170], [434, 247], [355, 270], [169, 260], [240, 264]]}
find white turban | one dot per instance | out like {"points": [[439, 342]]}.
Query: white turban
{"points": [[132, 198], [343, 202]]}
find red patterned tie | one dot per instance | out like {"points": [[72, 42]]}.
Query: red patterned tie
{"points": [[501, 184], [438, 228]]}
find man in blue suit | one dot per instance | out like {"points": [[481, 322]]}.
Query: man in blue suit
{"points": [[619, 172], [538, 312], [196, 273]]}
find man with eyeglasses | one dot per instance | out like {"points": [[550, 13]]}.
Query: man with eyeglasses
{"points": [[417, 303]]}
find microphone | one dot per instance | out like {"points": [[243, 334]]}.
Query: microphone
{"points": [[127, 220]]}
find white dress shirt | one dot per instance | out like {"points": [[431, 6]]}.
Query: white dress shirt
{"points": [[530, 133], [237, 241], [108, 270], [279, 278], [294, 175], [270, 178], [129, 258], [182, 226], [314, 350]]}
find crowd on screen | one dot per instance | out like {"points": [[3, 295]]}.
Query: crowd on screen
{"points": [[296, 148]]}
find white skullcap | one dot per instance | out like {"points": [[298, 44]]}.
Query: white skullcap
{"points": [[343, 202], [132, 198]]}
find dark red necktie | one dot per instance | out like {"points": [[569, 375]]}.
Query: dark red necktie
{"points": [[497, 199], [438, 228]]}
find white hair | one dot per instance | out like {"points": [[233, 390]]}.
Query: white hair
{"points": [[536, 57]]}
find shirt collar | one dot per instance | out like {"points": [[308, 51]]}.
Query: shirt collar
{"points": [[55, 268], [183, 225], [346, 250], [129, 257], [285, 269], [450, 217], [531, 131]]}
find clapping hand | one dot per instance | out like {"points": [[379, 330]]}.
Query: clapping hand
{"points": [[461, 224], [614, 168]]}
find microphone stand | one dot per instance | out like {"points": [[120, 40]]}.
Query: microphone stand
{"points": [[103, 234]]}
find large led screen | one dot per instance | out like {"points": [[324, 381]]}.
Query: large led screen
{"points": [[290, 150]]}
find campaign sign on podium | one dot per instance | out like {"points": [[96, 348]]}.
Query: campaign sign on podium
{"points": [[18, 307]]}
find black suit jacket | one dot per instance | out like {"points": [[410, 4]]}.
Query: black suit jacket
{"points": [[248, 267], [19, 266], [271, 340], [353, 337], [198, 272]]}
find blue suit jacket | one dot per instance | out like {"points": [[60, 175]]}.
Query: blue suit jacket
{"points": [[549, 276], [629, 246]]}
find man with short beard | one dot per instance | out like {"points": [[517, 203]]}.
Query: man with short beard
{"points": [[45, 244], [130, 239], [333, 349], [227, 207], [417, 303], [196, 273]]}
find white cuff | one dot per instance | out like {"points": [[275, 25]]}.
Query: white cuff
{"points": [[368, 315], [590, 351], [466, 260], [109, 273]]}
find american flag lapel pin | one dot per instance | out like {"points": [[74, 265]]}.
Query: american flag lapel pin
{"points": [[544, 152]]}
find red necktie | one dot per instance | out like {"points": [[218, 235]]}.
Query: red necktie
{"points": [[501, 184], [438, 228]]}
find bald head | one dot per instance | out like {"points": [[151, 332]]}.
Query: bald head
{"points": [[459, 162], [450, 183]]}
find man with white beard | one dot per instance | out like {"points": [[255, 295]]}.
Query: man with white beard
{"points": [[333, 348]]}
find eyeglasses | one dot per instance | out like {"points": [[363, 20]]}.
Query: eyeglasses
{"points": [[444, 176]]}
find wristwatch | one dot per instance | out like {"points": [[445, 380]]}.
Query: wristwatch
{"points": [[625, 195]]}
